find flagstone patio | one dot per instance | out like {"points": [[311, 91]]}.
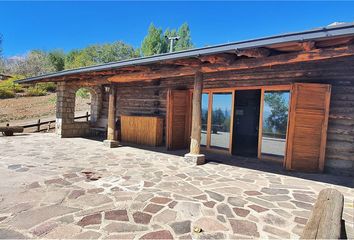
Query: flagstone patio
{"points": [[77, 188]]}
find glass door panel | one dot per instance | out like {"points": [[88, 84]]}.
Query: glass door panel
{"points": [[221, 120], [205, 103], [275, 121]]}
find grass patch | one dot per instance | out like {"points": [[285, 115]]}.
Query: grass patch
{"points": [[36, 91]]}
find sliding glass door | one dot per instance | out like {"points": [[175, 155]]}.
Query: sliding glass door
{"points": [[221, 120], [216, 120]]}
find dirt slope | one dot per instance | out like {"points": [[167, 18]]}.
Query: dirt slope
{"points": [[29, 109]]}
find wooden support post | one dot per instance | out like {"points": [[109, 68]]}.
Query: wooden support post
{"points": [[111, 129], [325, 221], [87, 116], [39, 125], [194, 156]]}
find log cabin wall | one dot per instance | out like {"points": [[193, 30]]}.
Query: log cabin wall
{"points": [[149, 98]]}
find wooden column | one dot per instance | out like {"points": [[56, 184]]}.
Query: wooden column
{"points": [[111, 128], [111, 114], [196, 114], [194, 155]]}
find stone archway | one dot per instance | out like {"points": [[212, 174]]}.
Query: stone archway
{"points": [[66, 126]]}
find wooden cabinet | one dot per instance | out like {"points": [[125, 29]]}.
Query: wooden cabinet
{"points": [[142, 130]]}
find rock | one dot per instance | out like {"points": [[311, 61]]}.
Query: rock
{"points": [[87, 235], [252, 193], [211, 236], [257, 208], [70, 175], [244, 227], [153, 208], [64, 232], [274, 191], [57, 181], [75, 194], [10, 234], [33, 185], [172, 204], [180, 187], [124, 227], [44, 228], [261, 202], [117, 215], [303, 198], [181, 227], [276, 198], [236, 201], [274, 220], [90, 220], [303, 205], [224, 209], [241, 212], [166, 216], [209, 225], [216, 196], [300, 220], [162, 234], [201, 197], [188, 210], [95, 190], [209, 204], [276, 231], [221, 218], [161, 200], [30, 218], [140, 217]]}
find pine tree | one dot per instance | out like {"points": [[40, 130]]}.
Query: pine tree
{"points": [[154, 42]]}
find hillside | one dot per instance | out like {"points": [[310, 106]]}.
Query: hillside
{"points": [[29, 109]]}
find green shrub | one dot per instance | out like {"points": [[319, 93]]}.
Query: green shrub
{"points": [[83, 93], [49, 87], [36, 91], [6, 93], [10, 85]]}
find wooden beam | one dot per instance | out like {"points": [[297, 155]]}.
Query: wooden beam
{"points": [[223, 58], [196, 114], [282, 59], [254, 52], [308, 45], [152, 75]]}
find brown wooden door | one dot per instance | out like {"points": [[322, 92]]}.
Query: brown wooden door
{"points": [[178, 119], [307, 133]]}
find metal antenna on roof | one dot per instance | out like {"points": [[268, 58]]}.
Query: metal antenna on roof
{"points": [[172, 40]]}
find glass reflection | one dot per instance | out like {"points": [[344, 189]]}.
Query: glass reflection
{"points": [[221, 119], [275, 121], [205, 99]]}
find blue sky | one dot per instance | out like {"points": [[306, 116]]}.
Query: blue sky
{"points": [[69, 25]]}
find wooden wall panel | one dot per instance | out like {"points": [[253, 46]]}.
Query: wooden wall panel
{"points": [[308, 127], [142, 130]]}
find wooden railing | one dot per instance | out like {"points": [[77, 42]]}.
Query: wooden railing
{"points": [[49, 123]]}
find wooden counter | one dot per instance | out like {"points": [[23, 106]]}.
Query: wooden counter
{"points": [[143, 130]]}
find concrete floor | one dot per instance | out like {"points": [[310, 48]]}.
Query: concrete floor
{"points": [[76, 188]]}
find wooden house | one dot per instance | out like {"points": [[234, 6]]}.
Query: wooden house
{"points": [[288, 98]]}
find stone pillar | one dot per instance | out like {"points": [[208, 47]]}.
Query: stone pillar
{"points": [[194, 155], [65, 110], [111, 129]]}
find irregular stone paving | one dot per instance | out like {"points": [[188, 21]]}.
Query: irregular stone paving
{"points": [[77, 188]]}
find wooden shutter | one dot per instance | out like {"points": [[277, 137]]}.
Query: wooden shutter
{"points": [[178, 119], [308, 119]]}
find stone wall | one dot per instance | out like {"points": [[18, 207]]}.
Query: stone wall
{"points": [[66, 126]]}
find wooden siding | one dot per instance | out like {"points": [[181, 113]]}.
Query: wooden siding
{"points": [[149, 98]]}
